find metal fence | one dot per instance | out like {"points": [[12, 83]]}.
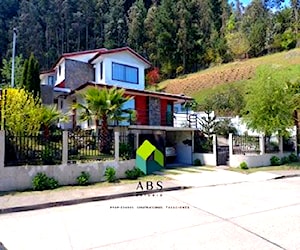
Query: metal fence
{"points": [[85, 145], [42, 148], [271, 144], [245, 144], [127, 148]]}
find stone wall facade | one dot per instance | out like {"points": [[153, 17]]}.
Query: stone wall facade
{"points": [[78, 73], [154, 111]]}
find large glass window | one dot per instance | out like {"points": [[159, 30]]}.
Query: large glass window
{"points": [[124, 73]]}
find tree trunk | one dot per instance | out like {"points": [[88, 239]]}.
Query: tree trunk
{"points": [[105, 142]]}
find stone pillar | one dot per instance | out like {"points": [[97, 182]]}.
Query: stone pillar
{"points": [[154, 111], [215, 150], [117, 145], [2, 148], [65, 148], [262, 144], [280, 139], [193, 142], [136, 143], [230, 144]]}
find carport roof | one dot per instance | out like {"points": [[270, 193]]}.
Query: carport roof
{"points": [[162, 128]]}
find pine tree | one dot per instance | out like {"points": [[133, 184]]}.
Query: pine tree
{"points": [[136, 30], [115, 27], [150, 33], [31, 79]]}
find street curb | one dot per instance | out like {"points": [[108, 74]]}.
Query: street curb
{"points": [[85, 200], [286, 176]]}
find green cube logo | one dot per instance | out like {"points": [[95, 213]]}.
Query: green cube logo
{"points": [[148, 158]]}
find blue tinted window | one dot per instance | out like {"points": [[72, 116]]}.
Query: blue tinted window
{"points": [[124, 73]]}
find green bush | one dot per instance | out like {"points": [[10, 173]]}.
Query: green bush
{"points": [[244, 165], [83, 178], [110, 174], [293, 157], [134, 173], [197, 162], [42, 182], [285, 160], [275, 161]]}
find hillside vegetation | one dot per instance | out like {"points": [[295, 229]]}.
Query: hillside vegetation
{"points": [[203, 83]]}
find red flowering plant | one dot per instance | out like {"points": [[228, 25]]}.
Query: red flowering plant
{"points": [[153, 77]]}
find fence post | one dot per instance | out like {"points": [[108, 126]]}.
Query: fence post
{"points": [[215, 150], [65, 148], [262, 144], [2, 148], [230, 144], [137, 140], [280, 144], [117, 145]]}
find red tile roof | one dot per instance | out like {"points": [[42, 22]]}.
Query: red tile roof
{"points": [[112, 51]]}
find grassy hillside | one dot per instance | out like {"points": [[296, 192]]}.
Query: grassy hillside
{"points": [[203, 83]]}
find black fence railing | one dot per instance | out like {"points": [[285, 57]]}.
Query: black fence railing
{"points": [[85, 145], [34, 149], [271, 144], [245, 144], [127, 148]]}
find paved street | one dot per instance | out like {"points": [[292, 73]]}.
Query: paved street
{"points": [[249, 215]]}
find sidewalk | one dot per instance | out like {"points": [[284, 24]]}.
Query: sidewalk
{"points": [[25, 201]]}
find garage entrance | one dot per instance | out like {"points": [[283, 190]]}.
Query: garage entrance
{"points": [[175, 143]]}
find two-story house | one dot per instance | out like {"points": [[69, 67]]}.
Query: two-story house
{"points": [[122, 67]]}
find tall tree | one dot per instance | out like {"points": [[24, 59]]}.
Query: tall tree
{"points": [[150, 33], [6, 70], [136, 29], [166, 28], [255, 25], [115, 26], [31, 78], [295, 5]]}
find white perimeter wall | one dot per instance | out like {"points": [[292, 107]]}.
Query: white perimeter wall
{"points": [[20, 178], [206, 158], [254, 160]]}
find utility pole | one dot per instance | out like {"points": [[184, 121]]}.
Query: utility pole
{"points": [[13, 58]]}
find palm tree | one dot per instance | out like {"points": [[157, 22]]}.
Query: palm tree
{"points": [[102, 105], [50, 116]]}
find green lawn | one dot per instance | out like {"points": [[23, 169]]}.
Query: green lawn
{"points": [[290, 166]]}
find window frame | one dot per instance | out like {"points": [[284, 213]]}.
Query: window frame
{"points": [[124, 73]]}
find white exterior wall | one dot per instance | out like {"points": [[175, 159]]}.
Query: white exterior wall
{"points": [[67, 107], [208, 159], [253, 160], [62, 76], [20, 178], [184, 152], [125, 58], [44, 80]]}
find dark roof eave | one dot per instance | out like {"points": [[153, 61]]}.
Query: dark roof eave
{"points": [[173, 97]]}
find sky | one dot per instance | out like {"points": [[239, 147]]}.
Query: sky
{"points": [[245, 2]]}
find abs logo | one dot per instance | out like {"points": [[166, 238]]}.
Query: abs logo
{"points": [[149, 185]]}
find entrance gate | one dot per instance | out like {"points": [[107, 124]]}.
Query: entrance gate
{"points": [[222, 151]]}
